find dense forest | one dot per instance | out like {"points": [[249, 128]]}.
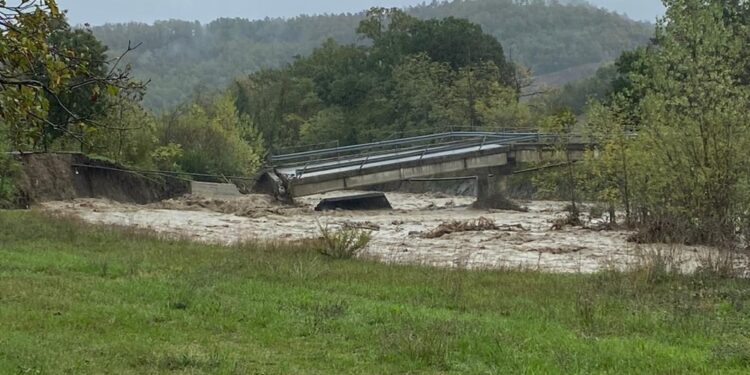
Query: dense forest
{"points": [[181, 58]]}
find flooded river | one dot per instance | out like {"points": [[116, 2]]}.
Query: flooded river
{"points": [[522, 240]]}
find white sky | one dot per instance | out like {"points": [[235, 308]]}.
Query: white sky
{"points": [[97, 12]]}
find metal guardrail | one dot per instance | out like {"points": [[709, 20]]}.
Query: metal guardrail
{"points": [[423, 146], [363, 155], [396, 155], [387, 154], [371, 149]]}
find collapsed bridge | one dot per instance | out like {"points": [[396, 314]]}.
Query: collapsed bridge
{"points": [[490, 156]]}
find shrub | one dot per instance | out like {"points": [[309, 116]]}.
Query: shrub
{"points": [[344, 243]]}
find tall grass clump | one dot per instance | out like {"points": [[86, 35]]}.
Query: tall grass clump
{"points": [[345, 243]]}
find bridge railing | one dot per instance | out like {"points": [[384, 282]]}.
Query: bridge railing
{"points": [[362, 161], [362, 156], [374, 149]]}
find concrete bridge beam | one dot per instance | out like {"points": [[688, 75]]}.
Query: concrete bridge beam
{"points": [[494, 181], [491, 163]]}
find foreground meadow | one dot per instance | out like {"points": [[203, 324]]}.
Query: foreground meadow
{"points": [[94, 299]]}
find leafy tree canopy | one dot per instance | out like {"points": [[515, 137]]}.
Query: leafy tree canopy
{"points": [[676, 128], [400, 83], [51, 77]]}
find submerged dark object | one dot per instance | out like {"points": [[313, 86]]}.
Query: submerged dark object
{"points": [[360, 202]]}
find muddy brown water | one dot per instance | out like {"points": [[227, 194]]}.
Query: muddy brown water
{"points": [[522, 239]]}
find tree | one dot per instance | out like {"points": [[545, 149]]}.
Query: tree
{"points": [[38, 78], [130, 136], [629, 65], [422, 95], [456, 42], [576, 95], [278, 104], [484, 102], [326, 126], [695, 119], [608, 166], [341, 73], [564, 180], [687, 166], [212, 138], [83, 101]]}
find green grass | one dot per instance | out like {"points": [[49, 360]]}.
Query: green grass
{"points": [[77, 299]]}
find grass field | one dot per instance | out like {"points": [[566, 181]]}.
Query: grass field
{"points": [[77, 299]]}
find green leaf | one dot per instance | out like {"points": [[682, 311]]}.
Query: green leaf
{"points": [[113, 90]]}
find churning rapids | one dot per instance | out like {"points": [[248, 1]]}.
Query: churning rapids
{"points": [[522, 239]]}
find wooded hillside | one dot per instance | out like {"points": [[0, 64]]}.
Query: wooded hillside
{"points": [[181, 57]]}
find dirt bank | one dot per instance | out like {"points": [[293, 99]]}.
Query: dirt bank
{"points": [[516, 239], [54, 177]]}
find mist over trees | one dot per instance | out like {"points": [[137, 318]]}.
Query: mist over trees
{"points": [[412, 75], [182, 57]]}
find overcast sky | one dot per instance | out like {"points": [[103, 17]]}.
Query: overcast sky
{"points": [[97, 12]]}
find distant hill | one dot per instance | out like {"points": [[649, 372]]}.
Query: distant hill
{"points": [[182, 57]]}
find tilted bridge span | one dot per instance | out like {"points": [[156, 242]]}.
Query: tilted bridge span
{"points": [[489, 156]]}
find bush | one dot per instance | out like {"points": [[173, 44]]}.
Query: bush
{"points": [[670, 228], [343, 243]]}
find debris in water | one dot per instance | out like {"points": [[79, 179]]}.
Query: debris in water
{"points": [[367, 225], [477, 225]]}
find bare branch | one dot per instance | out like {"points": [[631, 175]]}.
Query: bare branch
{"points": [[535, 93], [21, 82]]}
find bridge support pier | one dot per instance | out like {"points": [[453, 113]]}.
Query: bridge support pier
{"points": [[483, 187], [489, 185], [492, 182]]}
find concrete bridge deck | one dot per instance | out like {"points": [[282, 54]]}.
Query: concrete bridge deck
{"points": [[360, 166]]}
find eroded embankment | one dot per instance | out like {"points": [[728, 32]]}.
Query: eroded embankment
{"points": [[50, 177], [516, 239]]}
